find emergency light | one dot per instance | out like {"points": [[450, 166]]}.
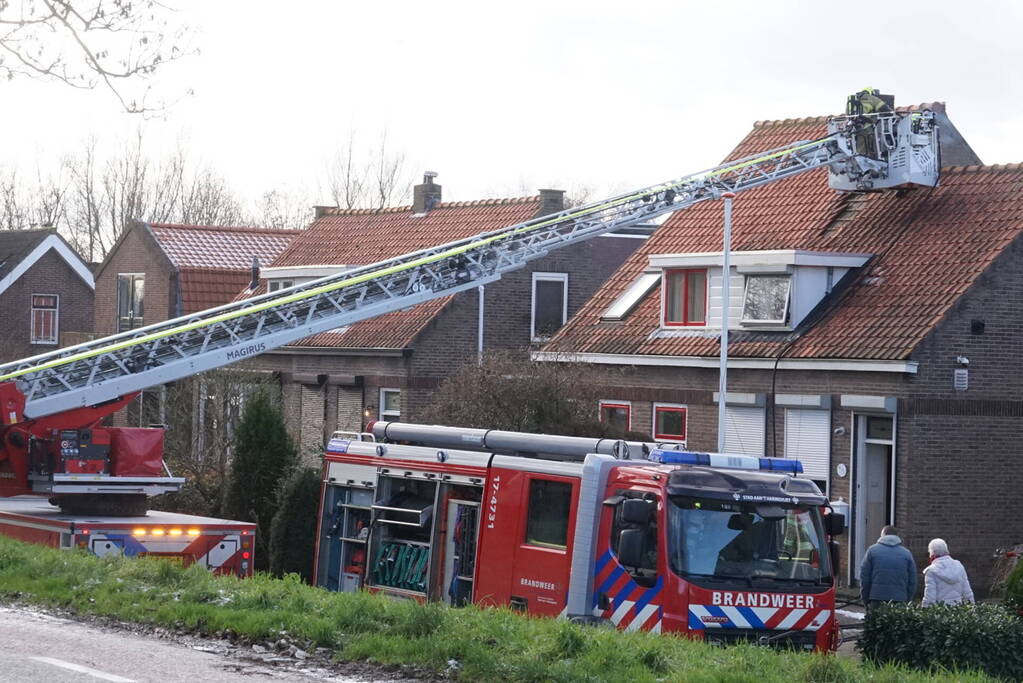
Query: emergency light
{"points": [[732, 462]]}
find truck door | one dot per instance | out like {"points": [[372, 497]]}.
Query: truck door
{"points": [[630, 565], [460, 551]]}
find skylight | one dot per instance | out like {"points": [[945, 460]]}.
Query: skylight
{"points": [[627, 301]]}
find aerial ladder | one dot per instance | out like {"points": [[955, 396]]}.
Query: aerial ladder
{"points": [[53, 443]]}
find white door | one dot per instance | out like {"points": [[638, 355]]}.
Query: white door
{"points": [[874, 494]]}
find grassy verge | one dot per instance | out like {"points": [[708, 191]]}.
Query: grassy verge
{"points": [[488, 644]]}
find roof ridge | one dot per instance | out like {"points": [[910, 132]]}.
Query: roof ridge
{"points": [[935, 106], [497, 201], [228, 228], [976, 168]]}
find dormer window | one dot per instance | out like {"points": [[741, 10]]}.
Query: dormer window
{"points": [[685, 297], [766, 300]]}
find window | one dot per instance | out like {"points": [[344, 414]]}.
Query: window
{"points": [[44, 319], [390, 404], [685, 297], [131, 291], [550, 305], [274, 285], [617, 414], [549, 510], [628, 299], [808, 440], [745, 430], [669, 422], [766, 299]]}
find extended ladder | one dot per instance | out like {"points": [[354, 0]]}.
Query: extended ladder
{"points": [[101, 370]]}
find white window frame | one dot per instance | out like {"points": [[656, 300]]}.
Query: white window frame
{"points": [[745, 296], [673, 407], [547, 277], [117, 300], [32, 336], [277, 285], [389, 415], [615, 404]]}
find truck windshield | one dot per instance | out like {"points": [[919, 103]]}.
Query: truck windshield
{"points": [[727, 539]]}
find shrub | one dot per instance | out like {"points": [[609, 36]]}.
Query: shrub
{"points": [[264, 456], [1014, 588], [293, 530], [987, 638]]}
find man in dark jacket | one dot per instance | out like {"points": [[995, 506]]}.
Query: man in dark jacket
{"points": [[888, 572]]}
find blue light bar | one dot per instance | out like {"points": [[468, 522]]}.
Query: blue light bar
{"points": [[338, 446], [724, 461]]}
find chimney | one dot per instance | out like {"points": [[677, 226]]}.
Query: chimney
{"points": [[427, 195], [321, 211], [551, 201], [254, 283]]}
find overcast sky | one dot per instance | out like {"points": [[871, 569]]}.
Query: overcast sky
{"points": [[503, 98]]}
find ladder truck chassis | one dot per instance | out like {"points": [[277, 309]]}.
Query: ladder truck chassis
{"points": [[69, 392], [714, 547], [223, 546]]}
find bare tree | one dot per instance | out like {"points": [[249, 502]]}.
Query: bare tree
{"points": [[508, 392], [373, 181], [281, 210], [115, 44], [39, 204]]}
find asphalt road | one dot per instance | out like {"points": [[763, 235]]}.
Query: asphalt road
{"points": [[40, 647]]}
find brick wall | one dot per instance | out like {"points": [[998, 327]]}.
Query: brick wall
{"points": [[135, 253], [49, 275]]}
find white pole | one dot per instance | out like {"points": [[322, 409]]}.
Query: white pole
{"points": [[479, 327], [726, 275]]}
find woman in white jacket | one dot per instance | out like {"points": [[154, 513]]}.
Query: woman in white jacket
{"points": [[945, 579]]}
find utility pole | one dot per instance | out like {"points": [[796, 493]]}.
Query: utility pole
{"points": [[726, 276]]}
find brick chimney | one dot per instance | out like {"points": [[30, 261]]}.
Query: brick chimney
{"points": [[551, 201], [427, 195]]}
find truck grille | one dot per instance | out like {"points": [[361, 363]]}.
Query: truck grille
{"points": [[795, 640]]}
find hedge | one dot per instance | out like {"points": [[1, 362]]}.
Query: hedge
{"points": [[986, 638]]}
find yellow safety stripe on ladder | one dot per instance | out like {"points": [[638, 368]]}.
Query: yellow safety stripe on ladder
{"points": [[359, 279]]}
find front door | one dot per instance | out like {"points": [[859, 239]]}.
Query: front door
{"points": [[874, 497]]}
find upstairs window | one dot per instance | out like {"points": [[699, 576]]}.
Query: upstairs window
{"points": [[685, 297], [44, 319], [275, 285], [550, 305], [766, 300], [131, 291]]}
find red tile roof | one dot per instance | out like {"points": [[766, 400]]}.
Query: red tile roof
{"points": [[215, 262], [358, 237], [205, 246], [361, 236], [929, 246]]}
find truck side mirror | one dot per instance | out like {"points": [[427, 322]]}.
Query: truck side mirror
{"points": [[833, 550], [636, 511], [834, 524], [631, 546]]}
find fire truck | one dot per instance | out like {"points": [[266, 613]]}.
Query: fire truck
{"points": [[53, 440], [643, 536], [224, 546]]}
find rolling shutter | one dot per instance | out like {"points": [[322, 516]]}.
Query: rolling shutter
{"points": [[808, 439], [744, 430]]}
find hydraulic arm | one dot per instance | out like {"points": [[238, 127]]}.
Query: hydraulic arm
{"points": [[75, 387]]}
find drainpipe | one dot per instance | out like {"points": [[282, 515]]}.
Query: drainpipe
{"points": [[479, 326]]}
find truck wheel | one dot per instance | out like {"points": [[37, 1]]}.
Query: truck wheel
{"points": [[123, 505]]}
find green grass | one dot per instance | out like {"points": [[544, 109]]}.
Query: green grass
{"points": [[488, 644]]}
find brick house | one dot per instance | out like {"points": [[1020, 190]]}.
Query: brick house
{"points": [[874, 336], [386, 367], [158, 271], [46, 293]]}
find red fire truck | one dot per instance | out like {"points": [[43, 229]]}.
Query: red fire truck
{"points": [[222, 545], [718, 547]]}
